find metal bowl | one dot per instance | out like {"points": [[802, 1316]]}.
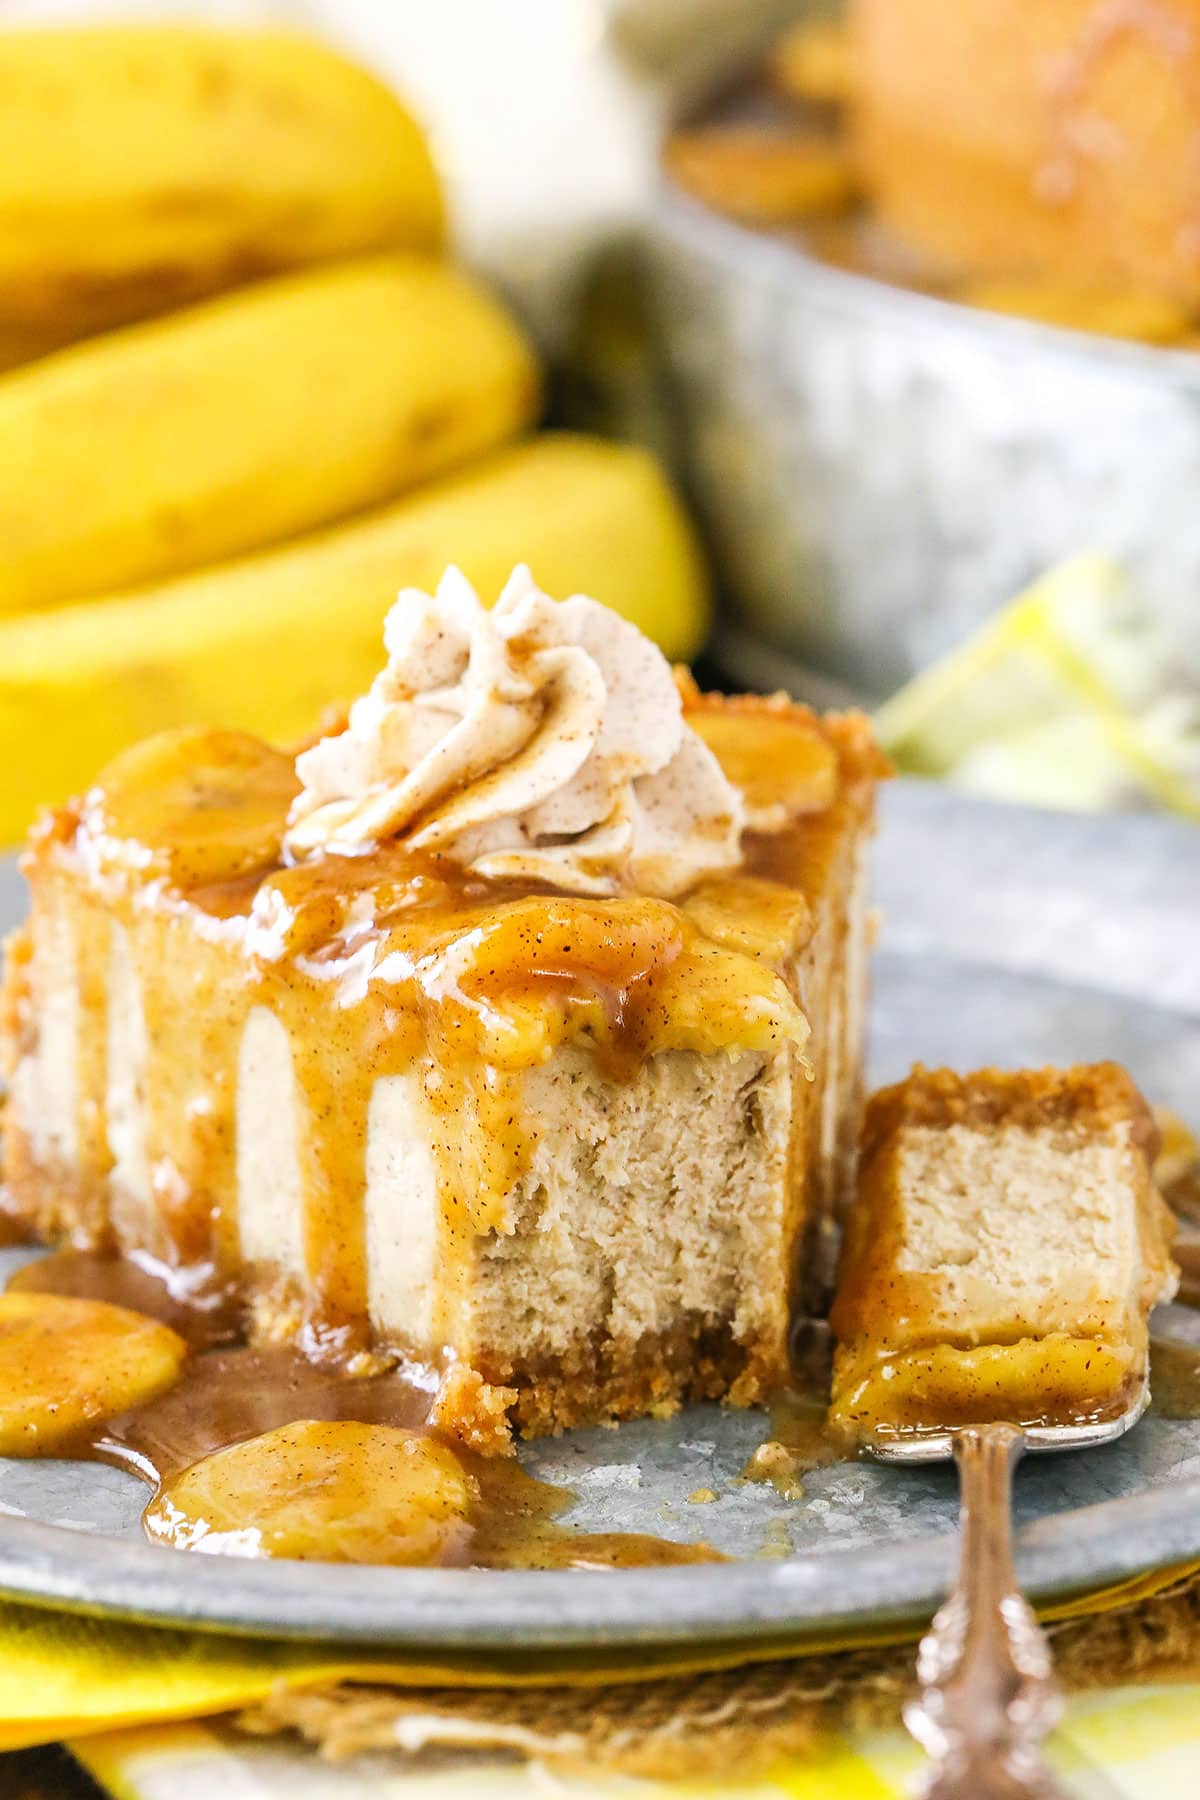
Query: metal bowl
{"points": [[879, 469]]}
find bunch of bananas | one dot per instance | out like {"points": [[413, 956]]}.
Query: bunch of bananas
{"points": [[245, 399]]}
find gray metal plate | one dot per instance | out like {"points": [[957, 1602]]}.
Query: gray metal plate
{"points": [[1011, 937]]}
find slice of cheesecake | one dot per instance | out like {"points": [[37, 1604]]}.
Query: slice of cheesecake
{"points": [[1004, 1252], [514, 1029]]}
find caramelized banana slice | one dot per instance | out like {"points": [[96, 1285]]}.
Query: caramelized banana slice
{"points": [[783, 762], [763, 919], [762, 175], [66, 1365], [194, 805], [1133, 313], [814, 61], [322, 1491]]}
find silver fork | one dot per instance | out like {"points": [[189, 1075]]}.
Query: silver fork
{"points": [[987, 1690]]}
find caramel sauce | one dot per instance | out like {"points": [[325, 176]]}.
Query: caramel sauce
{"points": [[228, 1395], [1174, 1379], [203, 1315], [799, 1440], [800, 1437]]}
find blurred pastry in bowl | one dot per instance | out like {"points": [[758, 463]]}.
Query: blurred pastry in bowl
{"points": [[1031, 160], [1058, 137]]}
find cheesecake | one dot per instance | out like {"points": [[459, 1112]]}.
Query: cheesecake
{"points": [[510, 1031], [1003, 1253]]}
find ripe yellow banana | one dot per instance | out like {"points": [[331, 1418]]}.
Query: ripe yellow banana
{"points": [[266, 643], [26, 343], [143, 167], [246, 420]]}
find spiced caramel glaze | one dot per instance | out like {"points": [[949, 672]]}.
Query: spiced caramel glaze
{"points": [[1174, 1378], [470, 983], [226, 1394], [204, 1315]]}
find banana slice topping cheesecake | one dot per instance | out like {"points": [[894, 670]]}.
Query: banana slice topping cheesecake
{"points": [[511, 1030]]}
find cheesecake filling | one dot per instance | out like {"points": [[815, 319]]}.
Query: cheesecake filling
{"points": [[541, 740]]}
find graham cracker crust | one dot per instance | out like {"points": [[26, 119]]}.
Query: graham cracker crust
{"points": [[603, 1381], [1093, 1095], [598, 1382]]}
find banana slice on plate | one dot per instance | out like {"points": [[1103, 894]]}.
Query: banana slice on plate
{"points": [[66, 1365], [322, 1491]]}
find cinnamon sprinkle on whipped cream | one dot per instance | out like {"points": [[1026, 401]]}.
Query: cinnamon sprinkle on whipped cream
{"points": [[540, 739]]}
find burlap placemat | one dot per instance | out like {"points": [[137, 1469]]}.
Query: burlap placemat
{"points": [[745, 1718]]}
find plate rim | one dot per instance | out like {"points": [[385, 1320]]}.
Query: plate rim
{"points": [[763, 1600], [53, 1566]]}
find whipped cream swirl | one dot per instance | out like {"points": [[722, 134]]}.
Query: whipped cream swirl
{"points": [[541, 739]]}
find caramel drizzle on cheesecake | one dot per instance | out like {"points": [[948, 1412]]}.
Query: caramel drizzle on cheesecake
{"points": [[468, 983]]}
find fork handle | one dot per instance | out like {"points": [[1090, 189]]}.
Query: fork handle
{"points": [[987, 1691]]}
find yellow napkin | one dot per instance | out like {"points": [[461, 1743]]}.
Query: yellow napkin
{"points": [[1067, 698], [64, 1676]]}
